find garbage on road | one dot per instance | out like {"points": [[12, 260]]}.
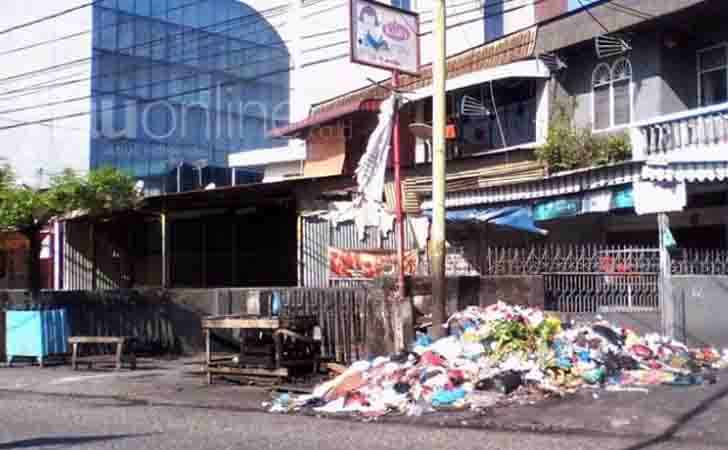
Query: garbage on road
{"points": [[503, 355]]}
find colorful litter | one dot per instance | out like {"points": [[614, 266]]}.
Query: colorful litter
{"points": [[505, 354]]}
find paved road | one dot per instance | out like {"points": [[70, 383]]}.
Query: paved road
{"points": [[165, 409]]}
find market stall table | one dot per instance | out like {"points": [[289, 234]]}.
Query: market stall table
{"points": [[292, 346]]}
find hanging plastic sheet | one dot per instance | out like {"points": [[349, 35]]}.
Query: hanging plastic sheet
{"points": [[516, 217]]}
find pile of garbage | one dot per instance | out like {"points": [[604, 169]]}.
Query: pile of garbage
{"points": [[505, 354]]}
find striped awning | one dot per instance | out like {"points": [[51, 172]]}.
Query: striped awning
{"points": [[556, 185], [324, 117], [687, 171]]}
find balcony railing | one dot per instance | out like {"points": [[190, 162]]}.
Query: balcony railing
{"points": [[694, 135]]}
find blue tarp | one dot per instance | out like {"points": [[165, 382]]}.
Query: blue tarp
{"points": [[517, 217]]}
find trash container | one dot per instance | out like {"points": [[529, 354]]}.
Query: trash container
{"points": [[36, 334]]}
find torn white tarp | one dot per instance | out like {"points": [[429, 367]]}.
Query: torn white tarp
{"points": [[366, 214], [373, 164], [651, 197]]}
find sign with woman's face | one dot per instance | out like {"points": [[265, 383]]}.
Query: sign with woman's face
{"points": [[385, 37]]}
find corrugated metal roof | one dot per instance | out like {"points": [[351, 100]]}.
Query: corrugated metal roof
{"points": [[695, 171], [560, 184], [323, 117]]}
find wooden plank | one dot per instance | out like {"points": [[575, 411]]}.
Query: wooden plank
{"points": [[297, 336], [96, 340], [281, 372], [263, 324], [334, 367], [207, 355]]}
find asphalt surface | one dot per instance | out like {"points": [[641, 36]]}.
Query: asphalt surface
{"points": [[163, 406]]}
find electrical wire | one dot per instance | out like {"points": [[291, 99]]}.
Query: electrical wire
{"points": [[477, 19], [30, 90], [629, 10], [119, 11], [147, 43], [484, 17], [159, 99], [591, 14], [237, 81], [497, 116], [47, 18]]}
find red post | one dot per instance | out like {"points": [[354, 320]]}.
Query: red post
{"points": [[398, 190]]}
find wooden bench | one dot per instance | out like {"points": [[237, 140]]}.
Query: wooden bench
{"points": [[122, 344]]}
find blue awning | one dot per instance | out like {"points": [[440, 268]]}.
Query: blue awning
{"points": [[516, 217]]}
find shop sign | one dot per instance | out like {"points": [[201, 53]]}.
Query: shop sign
{"points": [[384, 36]]}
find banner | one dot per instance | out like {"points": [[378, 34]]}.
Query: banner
{"points": [[587, 203], [368, 264]]}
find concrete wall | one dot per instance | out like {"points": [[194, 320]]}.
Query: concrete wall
{"points": [[664, 63], [576, 81], [37, 152], [702, 302]]}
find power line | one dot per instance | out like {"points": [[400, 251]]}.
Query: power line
{"points": [[167, 97], [97, 29], [629, 10], [588, 11], [486, 16], [456, 14], [132, 88], [289, 69], [148, 43], [50, 85], [43, 71], [460, 13], [49, 17]]}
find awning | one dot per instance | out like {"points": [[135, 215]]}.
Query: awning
{"points": [[329, 115], [516, 217], [532, 68]]}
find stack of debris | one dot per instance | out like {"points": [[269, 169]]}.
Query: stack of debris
{"points": [[507, 354], [481, 178]]}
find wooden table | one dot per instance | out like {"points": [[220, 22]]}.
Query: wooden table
{"points": [[124, 352], [280, 328]]}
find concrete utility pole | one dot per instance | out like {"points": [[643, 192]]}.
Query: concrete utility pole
{"points": [[439, 119], [667, 300]]}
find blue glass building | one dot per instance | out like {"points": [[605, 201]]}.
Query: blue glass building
{"points": [[180, 82]]}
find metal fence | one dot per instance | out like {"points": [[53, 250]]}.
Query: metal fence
{"points": [[584, 278], [539, 260], [592, 292], [700, 262], [341, 313], [543, 259]]}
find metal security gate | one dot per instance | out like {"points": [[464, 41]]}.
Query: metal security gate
{"points": [[582, 278], [620, 280]]}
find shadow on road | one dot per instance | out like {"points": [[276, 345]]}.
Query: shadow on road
{"points": [[681, 421], [65, 440]]}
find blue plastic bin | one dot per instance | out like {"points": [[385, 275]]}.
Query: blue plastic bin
{"points": [[36, 334]]}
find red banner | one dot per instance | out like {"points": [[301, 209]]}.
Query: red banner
{"points": [[368, 264]]}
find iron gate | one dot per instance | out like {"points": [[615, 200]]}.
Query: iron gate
{"points": [[583, 278]]}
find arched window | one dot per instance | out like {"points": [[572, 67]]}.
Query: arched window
{"points": [[601, 91], [621, 92], [612, 94]]}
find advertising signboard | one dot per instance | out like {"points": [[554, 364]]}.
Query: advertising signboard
{"points": [[346, 264], [384, 36]]}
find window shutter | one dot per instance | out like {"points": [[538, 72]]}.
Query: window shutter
{"points": [[622, 110], [601, 107]]}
